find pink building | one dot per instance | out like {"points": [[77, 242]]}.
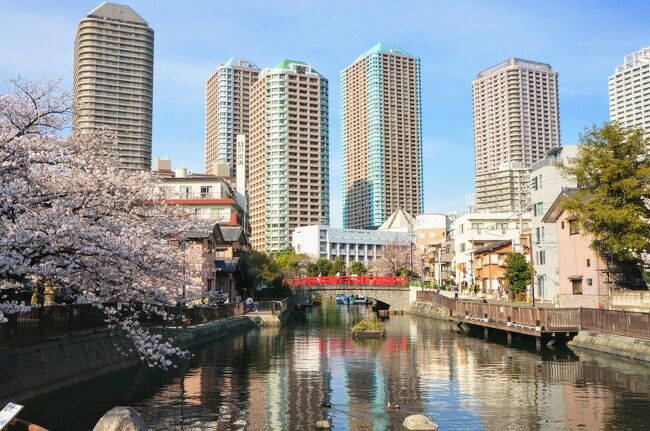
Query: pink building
{"points": [[582, 272]]}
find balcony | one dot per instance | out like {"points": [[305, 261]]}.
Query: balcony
{"points": [[173, 194]]}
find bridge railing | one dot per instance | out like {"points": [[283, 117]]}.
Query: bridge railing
{"points": [[353, 280]]}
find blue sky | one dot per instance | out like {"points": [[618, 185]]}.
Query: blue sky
{"points": [[583, 41]]}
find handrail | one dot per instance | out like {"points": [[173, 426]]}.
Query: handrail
{"points": [[354, 280]]}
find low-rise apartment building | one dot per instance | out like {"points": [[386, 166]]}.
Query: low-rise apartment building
{"points": [[431, 229], [546, 183], [437, 263], [204, 196], [490, 264], [475, 230]]}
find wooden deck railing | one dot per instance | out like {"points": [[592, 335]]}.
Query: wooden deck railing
{"points": [[619, 322]]}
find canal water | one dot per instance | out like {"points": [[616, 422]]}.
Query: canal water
{"points": [[286, 379]]}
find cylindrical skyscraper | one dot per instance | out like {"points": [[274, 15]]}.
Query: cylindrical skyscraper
{"points": [[113, 80]]}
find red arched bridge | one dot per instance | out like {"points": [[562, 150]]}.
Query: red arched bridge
{"points": [[393, 291]]}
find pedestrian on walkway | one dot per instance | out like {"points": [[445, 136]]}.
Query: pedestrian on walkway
{"points": [[249, 304], [456, 292]]}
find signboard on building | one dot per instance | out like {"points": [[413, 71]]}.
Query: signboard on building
{"points": [[240, 171]]}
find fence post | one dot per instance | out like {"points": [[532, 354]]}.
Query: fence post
{"points": [[69, 313], [41, 321], [624, 323], [580, 319]]}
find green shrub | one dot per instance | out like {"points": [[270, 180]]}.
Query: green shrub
{"points": [[370, 325]]}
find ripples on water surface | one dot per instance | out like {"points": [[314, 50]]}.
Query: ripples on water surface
{"points": [[277, 379]]}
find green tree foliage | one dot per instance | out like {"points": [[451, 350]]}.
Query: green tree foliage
{"points": [[259, 268], [518, 272], [323, 266], [338, 266], [358, 268], [612, 171]]}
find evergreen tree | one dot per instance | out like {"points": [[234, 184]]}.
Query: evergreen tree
{"points": [[358, 268], [338, 266], [612, 171], [518, 272]]}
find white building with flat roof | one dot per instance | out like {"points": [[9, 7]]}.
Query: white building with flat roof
{"points": [[629, 91], [475, 230], [546, 184], [353, 244]]}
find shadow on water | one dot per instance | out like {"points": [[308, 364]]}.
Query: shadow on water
{"points": [[288, 378]]}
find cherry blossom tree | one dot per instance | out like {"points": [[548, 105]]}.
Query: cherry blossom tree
{"points": [[71, 218], [395, 257]]}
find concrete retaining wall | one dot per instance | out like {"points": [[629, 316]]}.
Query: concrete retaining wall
{"points": [[634, 348], [429, 309], [30, 371], [633, 300]]}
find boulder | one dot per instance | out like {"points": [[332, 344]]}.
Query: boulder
{"points": [[323, 425], [121, 419], [419, 423]]}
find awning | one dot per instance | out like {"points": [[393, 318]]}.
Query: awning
{"points": [[226, 265], [575, 277]]}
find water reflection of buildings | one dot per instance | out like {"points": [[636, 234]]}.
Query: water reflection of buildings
{"points": [[277, 379]]}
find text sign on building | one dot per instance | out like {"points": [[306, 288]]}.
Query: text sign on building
{"points": [[240, 171], [8, 413]]}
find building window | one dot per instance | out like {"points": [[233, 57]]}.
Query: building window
{"points": [[573, 227], [562, 225], [588, 263], [541, 257], [577, 287]]}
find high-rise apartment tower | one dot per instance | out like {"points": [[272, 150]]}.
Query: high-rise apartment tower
{"points": [[629, 91], [113, 80], [289, 154], [227, 111], [381, 130], [516, 121]]}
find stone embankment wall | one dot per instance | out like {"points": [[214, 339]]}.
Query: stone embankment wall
{"points": [[429, 309], [629, 347], [30, 371]]}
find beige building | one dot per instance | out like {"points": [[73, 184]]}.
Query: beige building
{"points": [[629, 91], [227, 111], [113, 80], [289, 154], [516, 119], [503, 190], [431, 229], [381, 131]]}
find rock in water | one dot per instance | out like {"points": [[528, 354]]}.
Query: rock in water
{"points": [[121, 419], [323, 425], [419, 423]]}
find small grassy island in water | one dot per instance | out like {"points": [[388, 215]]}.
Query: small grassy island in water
{"points": [[369, 328]]}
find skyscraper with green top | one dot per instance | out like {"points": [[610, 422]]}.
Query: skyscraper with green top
{"points": [[289, 153]]}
